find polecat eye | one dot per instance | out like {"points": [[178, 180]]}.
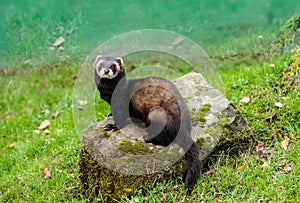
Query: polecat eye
{"points": [[113, 67]]}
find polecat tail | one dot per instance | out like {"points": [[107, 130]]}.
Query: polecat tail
{"points": [[193, 170]]}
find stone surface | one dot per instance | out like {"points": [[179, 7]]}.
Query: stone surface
{"points": [[288, 37], [290, 79], [115, 164]]}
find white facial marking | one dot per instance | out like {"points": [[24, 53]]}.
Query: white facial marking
{"points": [[107, 72], [101, 74]]}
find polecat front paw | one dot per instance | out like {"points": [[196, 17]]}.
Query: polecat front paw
{"points": [[111, 127]]}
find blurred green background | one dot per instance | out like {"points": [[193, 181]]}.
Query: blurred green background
{"points": [[222, 27]]}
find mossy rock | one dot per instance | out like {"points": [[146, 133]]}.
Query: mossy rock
{"points": [[290, 79], [121, 164], [289, 35]]}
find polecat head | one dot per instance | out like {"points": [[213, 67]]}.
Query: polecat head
{"points": [[108, 66]]}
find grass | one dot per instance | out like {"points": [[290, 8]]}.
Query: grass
{"points": [[31, 92]]}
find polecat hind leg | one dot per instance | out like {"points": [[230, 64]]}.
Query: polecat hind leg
{"points": [[157, 127]]}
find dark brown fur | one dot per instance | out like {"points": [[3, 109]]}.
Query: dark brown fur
{"points": [[159, 104]]}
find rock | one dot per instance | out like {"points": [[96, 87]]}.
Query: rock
{"points": [[296, 38], [290, 79], [288, 37], [117, 164]]}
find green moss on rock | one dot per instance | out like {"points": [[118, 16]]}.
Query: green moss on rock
{"points": [[206, 107], [291, 76], [224, 122], [285, 37], [99, 182], [197, 117], [134, 148]]}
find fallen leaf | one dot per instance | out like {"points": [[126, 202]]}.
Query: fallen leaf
{"points": [[284, 144], [265, 165], [58, 41], [61, 49], [217, 200], [44, 125], [272, 65], [243, 167], [55, 114], [292, 136], [288, 168], [11, 146], [163, 197], [70, 31], [37, 131], [46, 132], [47, 173], [260, 37], [291, 146], [210, 171], [278, 104], [45, 111], [245, 99], [260, 148], [270, 118], [278, 132], [177, 40]]}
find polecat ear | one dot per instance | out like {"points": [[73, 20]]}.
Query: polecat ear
{"points": [[120, 61], [97, 59]]}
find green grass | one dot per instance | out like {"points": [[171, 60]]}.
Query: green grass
{"points": [[26, 97], [31, 92], [223, 28]]}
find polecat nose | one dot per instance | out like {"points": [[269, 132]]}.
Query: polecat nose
{"points": [[106, 71]]}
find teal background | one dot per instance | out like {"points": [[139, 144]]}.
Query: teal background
{"points": [[28, 28]]}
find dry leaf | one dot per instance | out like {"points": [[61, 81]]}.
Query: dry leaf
{"points": [[58, 41], [284, 144], [46, 132], [278, 104], [11, 146], [217, 200], [177, 41], [243, 167], [55, 114], [288, 168], [44, 125], [292, 136], [210, 171], [265, 165], [61, 49], [45, 111], [260, 148], [47, 173], [163, 197], [270, 118], [272, 65], [70, 31], [278, 132], [37, 131], [245, 99]]}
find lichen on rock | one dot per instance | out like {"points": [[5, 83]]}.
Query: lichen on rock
{"points": [[121, 163]]}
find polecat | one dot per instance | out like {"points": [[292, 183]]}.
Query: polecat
{"points": [[153, 100]]}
